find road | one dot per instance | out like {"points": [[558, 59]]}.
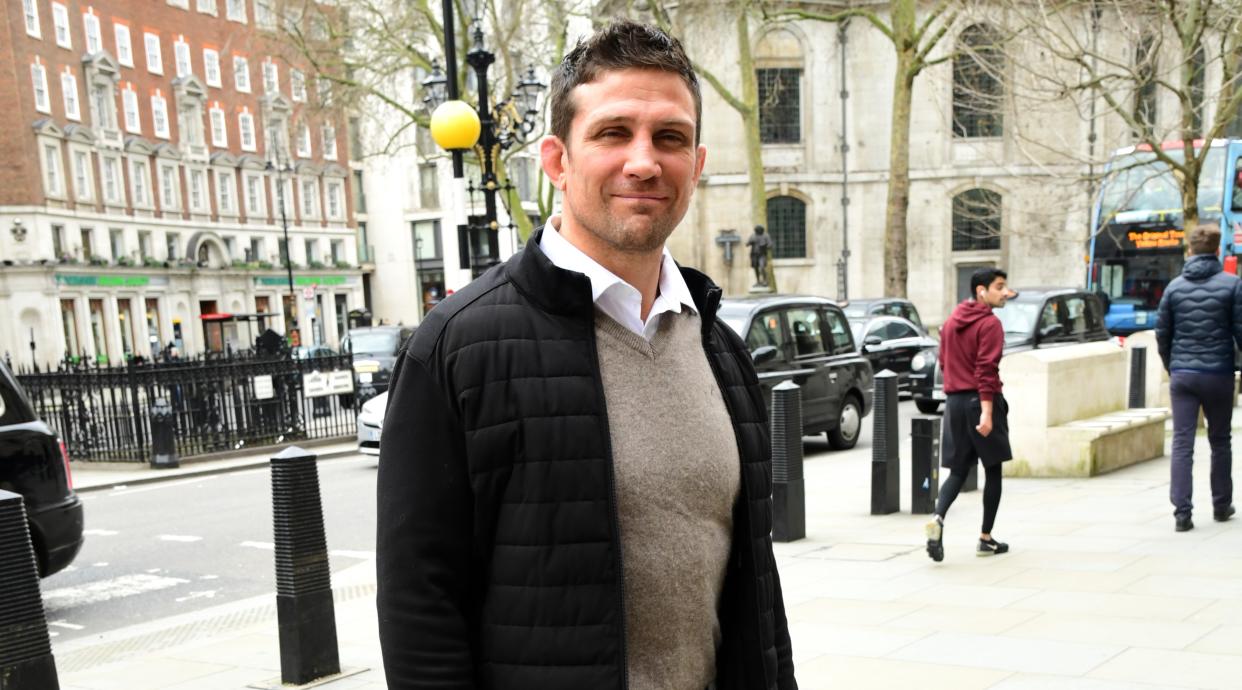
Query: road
{"points": [[170, 548]]}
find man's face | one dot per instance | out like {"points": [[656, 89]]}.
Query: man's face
{"points": [[996, 294], [631, 164]]}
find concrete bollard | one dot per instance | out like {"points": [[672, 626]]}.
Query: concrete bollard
{"points": [[163, 435], [885, 460], [924, 464], [1138, 377], [26, 660], [304, 607], [788, 485]]}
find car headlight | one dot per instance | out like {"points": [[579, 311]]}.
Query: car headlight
{"points": [[919, 362]]}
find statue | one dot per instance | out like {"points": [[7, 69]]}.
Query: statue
{"points": [[760, 244]]}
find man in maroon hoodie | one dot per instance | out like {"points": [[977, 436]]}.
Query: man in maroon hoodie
{"points": [[976, 427]]}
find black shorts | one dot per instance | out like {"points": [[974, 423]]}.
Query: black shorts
{"points": [[962, 446]]}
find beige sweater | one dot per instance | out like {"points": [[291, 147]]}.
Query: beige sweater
{"points": [[676, 464]]}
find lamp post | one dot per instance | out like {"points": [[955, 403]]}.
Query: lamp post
{"points": [[281, 170], [489, 130]]}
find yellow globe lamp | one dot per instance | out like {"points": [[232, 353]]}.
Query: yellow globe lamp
{"points": [[455, 125]]}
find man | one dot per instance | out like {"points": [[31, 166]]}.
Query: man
{"points": [[760, 245], [1197, 327], [574, 482], [976, 425]]}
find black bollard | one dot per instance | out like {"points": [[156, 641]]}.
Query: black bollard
{"points": [[924, 464], [304, 607], [1138, 376], [25, 648], [163, 435], [788, 486], [885, 460]]}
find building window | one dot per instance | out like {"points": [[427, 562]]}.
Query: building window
{"points": [[60, 19], [140, 182], [236, 10], [171, 241], [780, 105], [428, 186], [976, 220], [427, 240], [197, 198], [211, 67], [159, 116], [124, 49], [310, 199], [58, 241], [51, 168], [38, 75], [304, 141], [312, 251], [254, 195], [103, 104], [144, 245], [88, 243], [181, 53], [271, 77], [69, 88], [82, 186], [206, 6], [297, 86], [787, 226], [31, 11], [111, 179], [264, 14], [245, 125], [129, 99], [329, 142], [283, 191], [241, 73], [116, 240], [256, 254], [219, 131], [978, 88], [94, 39], [168, 187], [224, 191], [334, 201], [155, 59]]}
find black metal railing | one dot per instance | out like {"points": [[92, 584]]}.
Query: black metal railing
{"points": [[219, 404]]}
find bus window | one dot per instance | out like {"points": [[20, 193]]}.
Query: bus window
{"points": [[1237, 186]]}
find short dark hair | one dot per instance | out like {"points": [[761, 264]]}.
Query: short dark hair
{"points": [[984, 277], [1204, 238], [619, 45]]}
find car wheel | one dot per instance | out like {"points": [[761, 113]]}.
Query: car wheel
{"points": [[849, 426], [928, 406]]}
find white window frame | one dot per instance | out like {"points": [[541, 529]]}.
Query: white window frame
{"points": [[310, 202], [329, 142], [38, 79], [197, 182], [155, 55], [183, 4], [235, 10], [211, 67], [30, 11], [241, 74], [133, 116], [53, 175], [336, 201], [226, 189], [92, 31], [304, 140], [140, 182], [124, 46], [69, 89], [297, 86], [264, 15], [219, 127], [271, 77], [181, 57], [206, 7], [160, 124], [110, 167], [170, 197], [83, 182], [60, 20], [254, 184], [245, 128]]}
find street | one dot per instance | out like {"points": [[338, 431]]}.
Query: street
{"points": [[159, 550]]}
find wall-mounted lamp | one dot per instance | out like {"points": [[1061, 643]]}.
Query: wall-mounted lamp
{"points": [[726, 239], [18, 230]]}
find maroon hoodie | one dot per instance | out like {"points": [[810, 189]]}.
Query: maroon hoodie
{"points": [[971, 343]]}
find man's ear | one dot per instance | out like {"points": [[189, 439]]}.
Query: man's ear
{"points": [[554, 156]]}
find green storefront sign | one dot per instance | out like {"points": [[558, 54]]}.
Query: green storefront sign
{"points": [[103, 280], [300, 281]]}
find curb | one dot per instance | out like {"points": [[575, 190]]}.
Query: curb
{"points": [[164, 476]]}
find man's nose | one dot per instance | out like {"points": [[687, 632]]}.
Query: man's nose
{"points": [[640, 161]]}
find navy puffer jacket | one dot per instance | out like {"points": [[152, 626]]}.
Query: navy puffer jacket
{"points": [[1200, 318]]}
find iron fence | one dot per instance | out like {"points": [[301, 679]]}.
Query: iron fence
{"points": [[219, 404]]}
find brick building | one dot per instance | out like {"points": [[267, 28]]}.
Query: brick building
{"points": [[150, 147]]}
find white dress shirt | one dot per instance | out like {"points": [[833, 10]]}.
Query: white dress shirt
{"points": [[615, 297]]}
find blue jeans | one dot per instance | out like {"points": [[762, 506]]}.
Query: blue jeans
{"points": [[1188, 391]]}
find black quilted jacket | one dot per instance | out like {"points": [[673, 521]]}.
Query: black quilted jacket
{"points": [[1200, 318], [498, 555]]}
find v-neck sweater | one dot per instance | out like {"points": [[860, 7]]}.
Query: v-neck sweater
{"points": [[677, 475]]}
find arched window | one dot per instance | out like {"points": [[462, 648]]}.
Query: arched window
{"points": [[787, 225], [978, 89], [976, 220]]}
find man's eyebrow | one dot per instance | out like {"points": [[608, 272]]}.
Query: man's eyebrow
{"points": [[626, 120]]}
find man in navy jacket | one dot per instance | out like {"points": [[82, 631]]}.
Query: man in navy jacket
{"points": [[1199, 322]]}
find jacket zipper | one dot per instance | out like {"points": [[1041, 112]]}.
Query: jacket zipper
{"points": [[612, 508]]}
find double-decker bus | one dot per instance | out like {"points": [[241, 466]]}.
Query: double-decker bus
{"points": [[1137, 243]]}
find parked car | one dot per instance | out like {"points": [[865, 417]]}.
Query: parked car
{"points": [[807, 340], [35, 464], [891, 342], [371, 423], [375, 351], [863, 309], [1036, 318], [1128, 315], [311, 352]]}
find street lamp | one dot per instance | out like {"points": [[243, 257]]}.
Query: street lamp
{"points": [[489, 130], [281, 170]]}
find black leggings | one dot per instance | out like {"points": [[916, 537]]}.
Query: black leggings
{"points": [[991, 494]]}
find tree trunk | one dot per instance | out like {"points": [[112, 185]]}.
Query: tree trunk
{"points": [[897, 209], [750, 127]]}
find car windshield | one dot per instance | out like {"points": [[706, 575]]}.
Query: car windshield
{"points": [[735, 316], [374, 342], [1139, 186], [1018, 317], [855, 310]]}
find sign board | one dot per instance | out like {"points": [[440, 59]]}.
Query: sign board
{"points": [[263, 388], [318, 384], [341, 381]]}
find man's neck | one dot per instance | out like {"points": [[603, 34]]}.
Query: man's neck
{"points": [[641, 270]]}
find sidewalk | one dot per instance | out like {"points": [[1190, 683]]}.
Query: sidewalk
{"points": [[1099, 593]]}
